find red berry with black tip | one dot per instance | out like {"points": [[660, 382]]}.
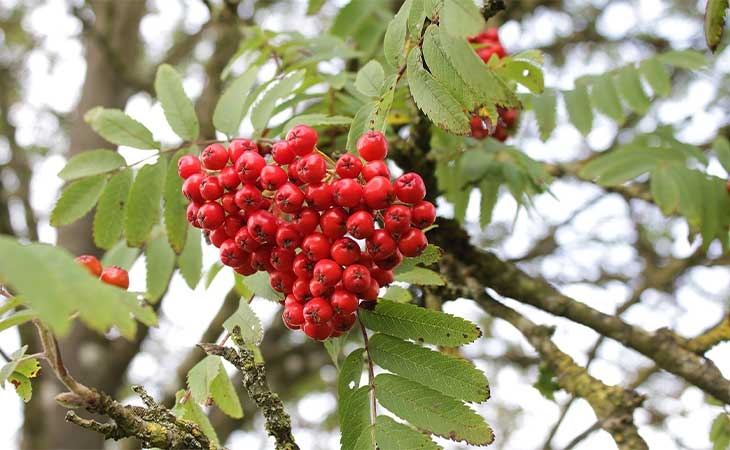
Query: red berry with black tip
{"points": [[116, 276], [188, 165], [372, 146], [214, 157]]}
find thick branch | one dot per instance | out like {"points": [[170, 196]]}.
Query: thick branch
{"points": [[278, 422]]}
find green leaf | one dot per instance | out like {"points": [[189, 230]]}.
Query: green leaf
{"points": [[108, 220], [245, 318], [664, 189], [420, 276], [545, 106], [579, 108], [656, 75], [524, 73], [715, 11], [118, 128], [391, 435], [224, 394], [201, 377], [619, 166], [313, 6], [259, 283], [120, 255], [77, 199], [684, 59], [91, 162], [175, 203], [629, 86], [160, 263], [462, 18], [720, 432], [317, 120], [178, 108], [546, 382], [397, 294], [489, 190], [434, 99], [231, 108], [193, 412], [721, 147], [334, 348], [451, 376], [474, 163], [408, 321], [370, 116], [430, 255], [416, 17], [18, 317], [143, 204], [370, 79], [350, 373], [190, 260], [19, 373], [67, 287], [395, 36], [605, 98], [352, 16], [431, 410], [354, 413], [213, 272], [264, 107], [9, 367]]}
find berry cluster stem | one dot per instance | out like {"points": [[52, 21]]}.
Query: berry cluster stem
{"points": [[371, 374]]}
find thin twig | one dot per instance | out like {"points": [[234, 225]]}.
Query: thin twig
{"points": [[371, 373]]}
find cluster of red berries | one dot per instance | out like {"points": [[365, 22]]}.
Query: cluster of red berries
{"points": [[329, 233], [486, 44], [114, 275]]}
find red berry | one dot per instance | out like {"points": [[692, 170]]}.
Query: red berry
{"points": [[214, 157], [378, 193], [211, 188], [229, 178], [317, 310], [480, 128], [231, 254], [218, 236], [293, 315], [413, 243], [245, 268], [372, 145], [248, 198], [348, 166], [248, 166], [346, 192], [319, 196], [356, 278], [305, 221], [311, 168], [345, 251], [397, 219], [327, 272], [333, 222], [91, 262], [423, 214], [272, 177], [389, 262], [371, 293], [238, 146], [191, 187], [302, 139], [262, 226], [228, 202], [500, 133], [287, 237], [343, 302], [192, 214], [381, 244], [343, 323], [281, 281], [211, 215], [374, 169], [245, 241], [382, 276], [261, 259], [115, 276], [316, 246], [303, 267], [360, 225], [289, 198], [410, 188], [188, 165], [318, 331], [300, 290], [282, 152], [282, 259], [510, 117]]}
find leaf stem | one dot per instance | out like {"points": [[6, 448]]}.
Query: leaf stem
{"points": [[371, 375]]}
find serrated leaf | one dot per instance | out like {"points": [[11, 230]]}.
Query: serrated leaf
{"points": [[430, 255], [120, 255], [545, 107], [434, 99], [524, 73], [721, 148], [416, 16], [264, 107], [334, 348], [420, 276], [391, 435], [350, 373], [259, 283], [664, 189], [201, 376], [247, 320], [178, 108], [354, 414], [604, 97], [77, 199], [143, 204], [91, 162], [684, 59], [10, 366], [579, 108], [317, 120], [629, 86], [108, 220], [370, 78], [22, 386], [431, 410], [395, 36], [67, 287], [451, 376], [118, 128], [17, 318], [212, 273], [193, 412], [190, 260], [160, 261], [653, 71], [408, 321], [619, 166], [224, 394], [397, 294], [715, 12], [489, 194], [462, 18], [175, 204], [231, 108]]}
